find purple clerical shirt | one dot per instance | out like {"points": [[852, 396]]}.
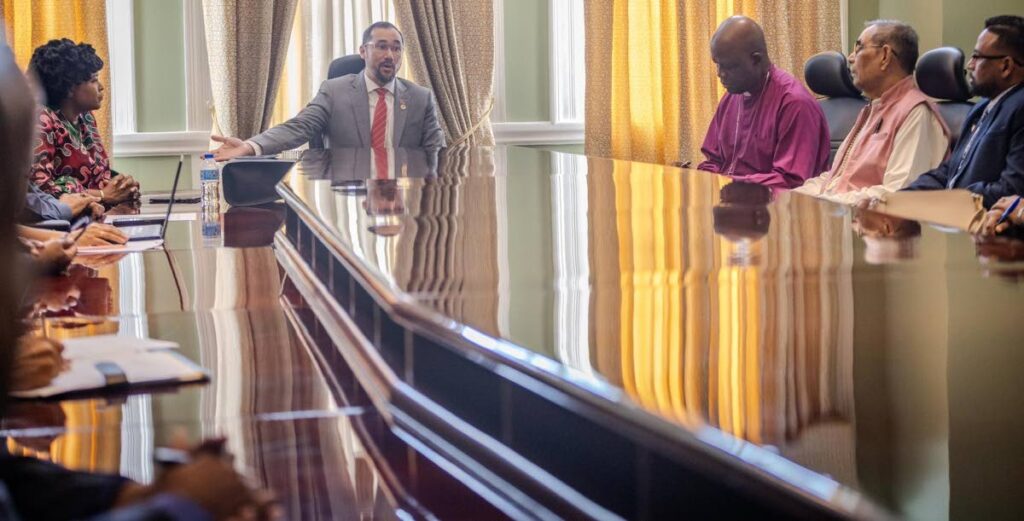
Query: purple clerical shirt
{"points": [[778, 138]]}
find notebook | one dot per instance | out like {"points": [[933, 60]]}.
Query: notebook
{"points": [[108, 363], [959, 209]]}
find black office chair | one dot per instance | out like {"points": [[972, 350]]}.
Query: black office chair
{"points": [[940, 74], [345, 65], [350, 64], [828, 75]]}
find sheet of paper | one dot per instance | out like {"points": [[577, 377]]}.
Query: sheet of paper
{"points": [[143, 361], [183, 216], [131, 246]]}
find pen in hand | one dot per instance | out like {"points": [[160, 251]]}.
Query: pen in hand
{"points": [[1009, 211]]}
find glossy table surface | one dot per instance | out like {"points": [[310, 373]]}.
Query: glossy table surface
{"points": [[224, 300], [879, 353]]}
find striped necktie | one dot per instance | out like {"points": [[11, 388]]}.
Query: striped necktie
{"points": [[378, 133]]}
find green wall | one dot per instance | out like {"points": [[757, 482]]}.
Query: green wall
{"points": [[938, 22], [159, 89], [159, 65], [527, 70]]}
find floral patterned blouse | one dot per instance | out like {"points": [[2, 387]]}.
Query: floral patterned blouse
{"points": [[69, 157]]}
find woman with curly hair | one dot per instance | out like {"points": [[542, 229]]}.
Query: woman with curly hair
{"points": [[69, 157]]}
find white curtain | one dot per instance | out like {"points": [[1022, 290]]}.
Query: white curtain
{"points": [[322, 31]]}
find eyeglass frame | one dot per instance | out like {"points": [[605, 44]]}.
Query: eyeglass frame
{"points": [[975, 56], [859, 48], [382, 47]]}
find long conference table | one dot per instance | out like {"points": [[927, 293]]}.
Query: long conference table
{"points": [[518, 333]]}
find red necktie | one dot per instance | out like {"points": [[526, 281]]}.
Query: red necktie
{"points": [[378, 133]]}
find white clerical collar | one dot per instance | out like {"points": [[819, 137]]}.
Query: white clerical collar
{"points": [[371, 84]]}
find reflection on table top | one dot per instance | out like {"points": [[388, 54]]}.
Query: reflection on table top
{"points": [[875, 350], [290, 425]]}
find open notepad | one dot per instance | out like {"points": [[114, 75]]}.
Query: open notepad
{"points": [[104, 362]]}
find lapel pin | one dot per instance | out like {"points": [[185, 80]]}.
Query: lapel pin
{"points": [[401, 104]]}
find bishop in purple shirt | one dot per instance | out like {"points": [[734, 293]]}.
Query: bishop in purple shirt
{"points": [[768, 129]]}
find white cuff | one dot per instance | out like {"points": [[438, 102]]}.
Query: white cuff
{"points": [[257, 150]]}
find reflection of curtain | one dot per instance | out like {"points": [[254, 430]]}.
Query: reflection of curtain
{"points": [[246, 41], [322, 31], [450, 47], [31, 23], [449, 245], [762, 351], [651, 84]]}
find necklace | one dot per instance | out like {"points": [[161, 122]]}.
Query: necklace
{"points": [[746, 141]]}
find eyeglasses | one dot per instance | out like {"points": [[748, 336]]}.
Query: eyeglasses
{"points": [[858, 47], [381, 48], [975, 56]]}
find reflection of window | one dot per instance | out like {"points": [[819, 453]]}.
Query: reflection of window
{"points": [[572, 260]]}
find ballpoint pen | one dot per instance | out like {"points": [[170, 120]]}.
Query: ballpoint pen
{"points": [[1009, 211]]}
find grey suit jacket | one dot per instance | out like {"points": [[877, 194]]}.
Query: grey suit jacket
{"points": [[341, 113]]}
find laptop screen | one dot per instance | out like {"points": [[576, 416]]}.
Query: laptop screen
{"points": [[170, 204]]}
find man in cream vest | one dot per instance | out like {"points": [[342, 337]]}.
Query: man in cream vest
{"points": [[348, 111], [899, 135]]}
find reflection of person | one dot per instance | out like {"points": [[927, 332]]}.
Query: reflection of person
{"points": [[742, 217], [384, 204], [69, 156], [743, 211], [886, 238], [347, 110], [346, 166], [899, 135], [989, 157], [768, 129]]}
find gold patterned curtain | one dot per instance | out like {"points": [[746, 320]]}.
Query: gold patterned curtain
{"points": [[450, 47], [31, 23], [247, 41], [651, 84]]}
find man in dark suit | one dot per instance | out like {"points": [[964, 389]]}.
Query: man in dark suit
{"points": [[989, 158]]}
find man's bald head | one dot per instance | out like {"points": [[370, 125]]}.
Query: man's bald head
{"points": [[740, 34], [739, 50]]}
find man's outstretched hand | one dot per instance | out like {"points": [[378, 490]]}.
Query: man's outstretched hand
{"points": [[230, 148]]}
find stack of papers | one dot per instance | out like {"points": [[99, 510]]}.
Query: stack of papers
{"points": [[141, 361]]}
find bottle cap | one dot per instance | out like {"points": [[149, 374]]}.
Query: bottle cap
{"points": [[207, 156]]}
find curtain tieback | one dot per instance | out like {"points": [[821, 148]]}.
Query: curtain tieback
{"points": [[475, 127]]}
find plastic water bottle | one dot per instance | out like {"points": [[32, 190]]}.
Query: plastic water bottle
{"points": [[209, 182]]}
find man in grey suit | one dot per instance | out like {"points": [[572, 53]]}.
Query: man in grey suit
{"points": [[347, 110]]}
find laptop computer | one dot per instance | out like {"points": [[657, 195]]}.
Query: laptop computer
{"points": [[151, 229]]}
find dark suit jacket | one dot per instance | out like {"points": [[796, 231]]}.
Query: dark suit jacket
{"points": [[995, 165]]}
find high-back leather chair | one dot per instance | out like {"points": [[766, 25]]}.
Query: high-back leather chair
{"points": [[940, 74], [349, 64], [828, 75]]}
